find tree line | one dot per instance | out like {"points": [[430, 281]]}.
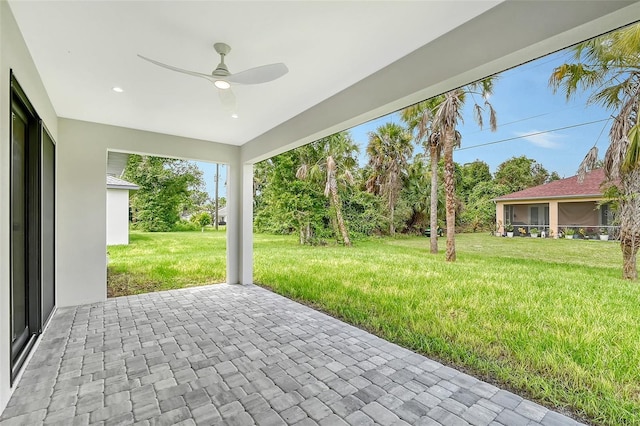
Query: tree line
{"points": [[320, 193], [170, 191], [392, 191]]}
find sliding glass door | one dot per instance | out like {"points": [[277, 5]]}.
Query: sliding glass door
{"points": [[20, 324], [32, 240]]}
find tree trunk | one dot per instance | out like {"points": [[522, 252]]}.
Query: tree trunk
{"points": [[450, 189], [434, 198], [337, 205], [392, 225], [629, 214], [629, 256]]}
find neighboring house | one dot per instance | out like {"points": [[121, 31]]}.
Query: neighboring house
{"points": [[118, 210], [222, 216], [557, 205]]}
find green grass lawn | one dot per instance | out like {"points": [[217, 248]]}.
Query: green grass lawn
{"points": [[550, 319], [166, 260]]}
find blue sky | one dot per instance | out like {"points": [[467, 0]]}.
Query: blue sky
{"points": [[209, 173], [525, 105]]}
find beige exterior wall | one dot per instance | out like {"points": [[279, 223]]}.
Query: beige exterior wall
{"points": [[499, 217]]}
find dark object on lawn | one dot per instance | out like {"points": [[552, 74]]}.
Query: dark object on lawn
{"points": [[427, 232], [222, 222]]}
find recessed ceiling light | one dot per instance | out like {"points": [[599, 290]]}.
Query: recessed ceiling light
{"points": [[234, 115], [221, 84], [117, 89]]}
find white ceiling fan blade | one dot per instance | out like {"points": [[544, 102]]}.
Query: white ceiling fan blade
{"points": [[228, 100], [172, 68], [259, 75]]}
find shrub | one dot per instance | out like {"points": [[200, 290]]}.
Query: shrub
{"points": [[185, 226]]}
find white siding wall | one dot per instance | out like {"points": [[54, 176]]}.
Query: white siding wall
{"points": [[117, 216]]}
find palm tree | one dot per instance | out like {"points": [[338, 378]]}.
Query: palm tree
{"points": [[610, 66], [417, 193], [389, 151], [446, 116], [332, 161], [418, 118]]}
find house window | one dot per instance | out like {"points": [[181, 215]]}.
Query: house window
{"points": [[606, 215], [508, 213]]}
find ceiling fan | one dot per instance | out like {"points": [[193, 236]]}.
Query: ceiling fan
{"points": [[223, 79]]}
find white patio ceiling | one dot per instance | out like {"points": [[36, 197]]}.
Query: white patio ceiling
{"points": [[348, 61]]}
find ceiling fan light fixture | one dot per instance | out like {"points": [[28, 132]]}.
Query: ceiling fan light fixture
{"points": [[222, 84]]}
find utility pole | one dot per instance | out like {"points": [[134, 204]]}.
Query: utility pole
{"points": [[216, 202]]}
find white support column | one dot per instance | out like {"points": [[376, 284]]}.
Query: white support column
{"points": [[553, 218], [240, 223], [500, 217]]}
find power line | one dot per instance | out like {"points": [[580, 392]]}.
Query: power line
{"points": [[532, 134]]}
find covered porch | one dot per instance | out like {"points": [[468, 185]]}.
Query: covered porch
{"points": [[585, 219], [59, 62]]}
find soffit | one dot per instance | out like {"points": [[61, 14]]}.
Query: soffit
{"points": [[84, 48]]}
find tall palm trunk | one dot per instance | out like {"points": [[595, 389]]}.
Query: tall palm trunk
{"points": [[434, 151], [630, 224], [392, 225], [450, 189], [337, 205]]}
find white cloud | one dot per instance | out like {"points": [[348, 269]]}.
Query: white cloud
{"points": [[543, 140]]}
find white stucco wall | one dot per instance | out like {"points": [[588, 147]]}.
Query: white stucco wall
{"points": [[13, 56], [82, 162], [117, 216]]}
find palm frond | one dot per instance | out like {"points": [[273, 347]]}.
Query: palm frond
{"points": [[627, 41], [457, 139], [588, 163], [614, 157], [302, 172], [571, 77], [315, 171], [493, 117], [349, 177], [477, 115], [632, 158], [612, 96]]}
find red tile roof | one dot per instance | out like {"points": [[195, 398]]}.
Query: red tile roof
{"points": [[563, 188]]}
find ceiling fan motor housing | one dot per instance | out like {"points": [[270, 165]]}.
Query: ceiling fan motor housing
{"points": [[221, 70]]}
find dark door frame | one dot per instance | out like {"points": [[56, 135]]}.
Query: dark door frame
{"points": [[33, 224]]}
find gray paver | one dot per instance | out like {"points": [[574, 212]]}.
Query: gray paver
{"points": [[240, 355], [293, 414]]}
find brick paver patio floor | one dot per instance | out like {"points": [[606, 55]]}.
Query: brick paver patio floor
{"points": [[241, 355]]}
